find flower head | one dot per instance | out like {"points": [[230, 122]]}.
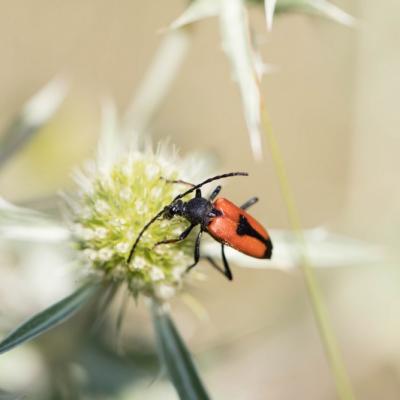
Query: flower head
{"points": [[113, 207]]}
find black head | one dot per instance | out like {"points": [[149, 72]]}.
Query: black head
{"points": [[175, 208]]}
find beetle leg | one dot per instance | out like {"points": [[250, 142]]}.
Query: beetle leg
{"points": [[215, 265], [182, 236], [226, 271], [178, 181], [249, 203], [215, 193], [196, 252]]}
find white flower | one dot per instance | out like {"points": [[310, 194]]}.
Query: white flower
{"points": [[138, 263], [105, 254], [165, 292], [100, 233], [101, 206], [126, 190], [126, 194], [122, 247], [156, 274]]}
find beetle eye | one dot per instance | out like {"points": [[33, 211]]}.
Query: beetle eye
{"points": [[167, 212]]}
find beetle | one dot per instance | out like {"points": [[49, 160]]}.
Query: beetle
{"points": [[223, 220]]}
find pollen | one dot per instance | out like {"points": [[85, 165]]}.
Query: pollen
{"points": [[100, 233], [122, 247], [126, 194], [157, 274], [139, 263], [152, 171], [101, 206]]}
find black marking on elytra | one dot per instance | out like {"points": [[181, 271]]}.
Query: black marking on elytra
{"points": [[268, 249], [244, 228]]}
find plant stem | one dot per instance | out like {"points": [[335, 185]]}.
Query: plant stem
{"points": [[157, 81], [328, 338]]}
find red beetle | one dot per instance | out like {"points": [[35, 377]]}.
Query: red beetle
{"points": [[224, 221]]}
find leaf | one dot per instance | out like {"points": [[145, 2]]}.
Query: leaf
{"points": [[19, 223], [49, 318], [196, 11], [35, 113], [319, 7], [325, 249], [269, 6], [245, 64], [156, 83], [9, 211], [109, 144], [9, 396], [322, 8], [30, 233], [176, 358]]}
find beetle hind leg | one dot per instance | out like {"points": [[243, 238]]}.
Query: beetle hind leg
{"points": [[226, 271], [249, 203]]}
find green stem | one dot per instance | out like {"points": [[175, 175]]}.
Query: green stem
{"points": [[328, 338]]}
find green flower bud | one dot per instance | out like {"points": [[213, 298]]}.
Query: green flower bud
{"points": [[111, 211]]}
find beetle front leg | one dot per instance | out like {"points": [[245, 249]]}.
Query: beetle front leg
{"points": [[196, 252], [181, 237]]}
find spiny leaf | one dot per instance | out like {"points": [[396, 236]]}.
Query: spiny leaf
{"points": [[246, 65], [35, 113], [176, 358], [325, 249], [315, 7], [9, 396], [49, 318], [155, 85], [108, 146], [318, 7], [269, 6], [196, 11], [19, 223]]}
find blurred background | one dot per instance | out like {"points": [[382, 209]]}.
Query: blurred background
{"points": [[332, 100]]}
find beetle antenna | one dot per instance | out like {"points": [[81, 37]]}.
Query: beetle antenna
{"points": [[141, 234], [192, 189], [214, 178]]}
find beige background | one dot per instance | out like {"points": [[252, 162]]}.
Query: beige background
{"points": [[334, 107]]}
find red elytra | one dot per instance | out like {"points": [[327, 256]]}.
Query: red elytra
{"points": [[238, 229]]}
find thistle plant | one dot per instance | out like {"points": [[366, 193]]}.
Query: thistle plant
{"points": [[116, 195], [112, 209], [129, 181]]}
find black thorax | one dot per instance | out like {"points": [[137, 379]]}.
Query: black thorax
{"points": [[198, 211]]}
